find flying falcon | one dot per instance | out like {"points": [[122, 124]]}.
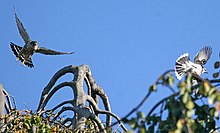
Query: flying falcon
{"points": [[184, 65], [30, 47]]}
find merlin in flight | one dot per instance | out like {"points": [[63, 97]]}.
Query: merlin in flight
{"points": [[30, 47], [184, 65]]}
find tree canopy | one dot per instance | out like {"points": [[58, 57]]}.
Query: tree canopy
{"points": [[190, 108]]}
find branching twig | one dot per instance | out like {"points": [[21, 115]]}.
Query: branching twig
{"points": [[61, 104], [160, 102], [144, 99], [100, 92]]}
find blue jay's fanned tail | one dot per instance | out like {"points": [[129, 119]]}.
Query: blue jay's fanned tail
{"points": [[181, 66]]}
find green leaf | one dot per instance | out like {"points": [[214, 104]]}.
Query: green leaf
{"points": [[216, 114], [212, 111], [177, 131], [206, 86], [151, 129], [190, 105], [185, 98], [26, 126], [129, 131], [212, 99], [38, 119], [189, 80], [212, 91], [141, 115], [155, 119], [217, 64], [153, 87], [179, 124], [133, 123], [218, 97], [170, 80], [190, 113], [142, 130], [215, 75], [191, 121], [182, 85]]}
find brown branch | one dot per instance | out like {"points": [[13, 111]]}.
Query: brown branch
{"points": [[2, 103], [74, 109], [133, 110], [48, 96], [100, 92], [67, 120], [98, 122], [8, 100], [61, 104], [57, 75], [164, 74], [98, 111], [160, 102], [214, 81], [144, 99]]}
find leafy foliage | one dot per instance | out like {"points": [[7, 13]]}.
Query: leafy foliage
{"points": [[27, 121], [185, 109]]}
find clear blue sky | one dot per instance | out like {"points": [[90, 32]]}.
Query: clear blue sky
{"points": [[127, 44]]}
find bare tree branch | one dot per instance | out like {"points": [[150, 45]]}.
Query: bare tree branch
{"points": [[82, 111]]}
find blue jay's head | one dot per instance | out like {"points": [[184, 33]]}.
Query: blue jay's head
{"points": [[204, 70], [34, 44]]}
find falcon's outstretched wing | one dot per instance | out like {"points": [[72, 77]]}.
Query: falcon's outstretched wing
{"points": [[46, 51], [203, 56], [22, 30]]}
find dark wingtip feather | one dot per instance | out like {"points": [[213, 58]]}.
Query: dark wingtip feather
{"points": [[71, 52]]}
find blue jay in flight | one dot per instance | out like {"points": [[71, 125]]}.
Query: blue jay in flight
{"points": [[184, 65]]}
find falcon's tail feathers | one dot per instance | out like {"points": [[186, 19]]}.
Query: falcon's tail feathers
{"points": [[29, 63], [181, 66], [16, 50]]}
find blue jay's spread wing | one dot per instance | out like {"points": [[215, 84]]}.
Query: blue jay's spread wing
{"points": [[46, 51], [22, 30], [203, 56]]}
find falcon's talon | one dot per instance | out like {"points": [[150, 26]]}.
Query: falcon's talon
{"points": [[17, 59], [30, 46]]}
